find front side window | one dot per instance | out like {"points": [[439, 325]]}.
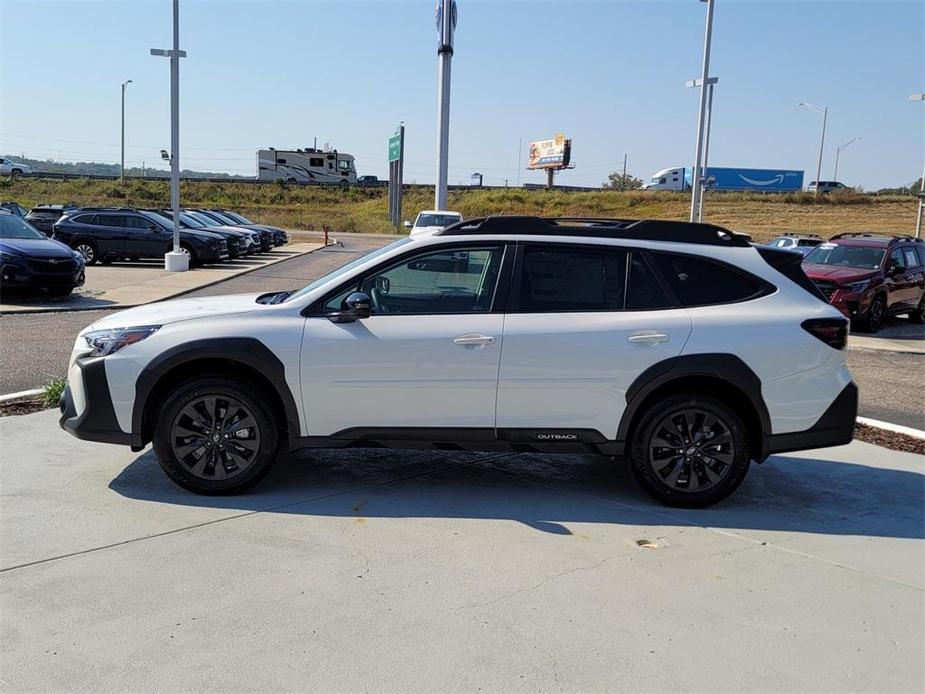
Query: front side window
{"points": [[343, 164], [451, 280], [136, 223], [700, 282], [897, 262]]}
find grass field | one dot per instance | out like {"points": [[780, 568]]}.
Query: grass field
{"points": [[365, 210]]}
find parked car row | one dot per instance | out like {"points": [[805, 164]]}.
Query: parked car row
{"points": [[866, 276], [106, 234]]}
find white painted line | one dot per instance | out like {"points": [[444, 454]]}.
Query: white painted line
{"points": [[21, 394], [896, 428]]}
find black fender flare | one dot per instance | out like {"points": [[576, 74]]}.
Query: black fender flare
{"points": [[724, 367], [247, 350]]}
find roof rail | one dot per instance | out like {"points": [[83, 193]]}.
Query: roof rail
{"points": [[643, 229], [868, 235], [800, 234]]}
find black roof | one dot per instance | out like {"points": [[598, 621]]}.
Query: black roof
{"points": [[643, 229], [875, 236]]}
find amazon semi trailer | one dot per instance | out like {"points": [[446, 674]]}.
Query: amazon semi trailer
{"points": [[718, 178], [307, 165]]}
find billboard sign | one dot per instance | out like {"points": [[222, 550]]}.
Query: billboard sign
{"points": [[550, 154]]}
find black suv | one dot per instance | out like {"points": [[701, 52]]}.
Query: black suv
{"points": [[44, 217], [105, 234], [280, 238]]}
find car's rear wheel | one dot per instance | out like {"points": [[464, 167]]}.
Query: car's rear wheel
{"points": [[876, 312], [216, 436], [690, 451], [88, 251]]}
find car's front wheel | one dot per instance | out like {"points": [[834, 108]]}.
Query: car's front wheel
{"points": [[876, 312], [216, 435], [690, 451]]}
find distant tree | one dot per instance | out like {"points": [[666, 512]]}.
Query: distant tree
{"points": [[617, 181], [911, 189]]}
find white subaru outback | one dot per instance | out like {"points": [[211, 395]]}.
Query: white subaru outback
{"points": [[678, 346]]}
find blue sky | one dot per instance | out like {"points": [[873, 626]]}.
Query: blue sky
{"points": [[610, 75]]}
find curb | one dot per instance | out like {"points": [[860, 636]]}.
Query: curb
{"points": [[21, 394], [895, 428], [120, 307]]}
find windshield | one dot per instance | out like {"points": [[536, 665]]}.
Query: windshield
{"points": [[846, 256], [222, 219], [205, 219], [12, 227], [344, 269], [437, 220], [781, 242], [237, 217]]}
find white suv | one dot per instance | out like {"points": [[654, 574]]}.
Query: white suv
{"points": [[680, 346]]}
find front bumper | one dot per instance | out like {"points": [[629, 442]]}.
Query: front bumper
{"points": [[834, 428], [853, 305], [37, 273], [97, 419]]}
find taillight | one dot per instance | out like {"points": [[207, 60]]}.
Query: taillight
{"points": [[832, 331]]}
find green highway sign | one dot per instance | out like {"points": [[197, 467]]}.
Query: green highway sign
{"points": [[395, 148]]}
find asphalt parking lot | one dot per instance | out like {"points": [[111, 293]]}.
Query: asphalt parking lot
{"points": [[438, 571]]}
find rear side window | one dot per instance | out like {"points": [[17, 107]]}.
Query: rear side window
{"points": [[567, 278], [85, 219], [700, 282], [109, 220], [911, 259]]}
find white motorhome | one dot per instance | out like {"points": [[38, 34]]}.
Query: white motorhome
{"points": [[307, 165]]}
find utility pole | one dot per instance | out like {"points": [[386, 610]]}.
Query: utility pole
{"points": [[175, 261], [122, 165], [918, 215], [446, 23], [698, 154], [623, 180], [824, 112], [838, 151]]}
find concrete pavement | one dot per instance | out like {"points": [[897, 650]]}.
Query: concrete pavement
{"points": [[436, 571]]}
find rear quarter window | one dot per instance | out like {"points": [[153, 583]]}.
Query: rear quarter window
{"points": [[700, 282]]}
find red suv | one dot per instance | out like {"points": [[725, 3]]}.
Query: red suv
{"points": [[870, 276]]}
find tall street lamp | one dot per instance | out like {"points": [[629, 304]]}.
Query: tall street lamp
{"points": [[711, 82], [838, 152], [446, 24], [122, 165], [701, 114], [824, 112], [918, 215], [174, 261]]}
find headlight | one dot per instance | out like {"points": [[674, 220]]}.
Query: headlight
{"points": [[858, 287], [106, 342], [8, 257]]}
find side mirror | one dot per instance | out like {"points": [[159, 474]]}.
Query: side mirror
{"points": [[407, 224], [355, 307], [895, 270], [153, 227]]}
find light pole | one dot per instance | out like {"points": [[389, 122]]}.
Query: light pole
{"points": [[711, 82], [918, 215], [174, 261], [838, 153], [122, 164], [698, 155], [446, 23], [824, 112]]}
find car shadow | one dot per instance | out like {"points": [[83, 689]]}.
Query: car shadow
{"points": [[544, 492], [41, 299]]}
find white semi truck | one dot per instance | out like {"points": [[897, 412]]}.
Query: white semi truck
{"points": [[307, 165]]}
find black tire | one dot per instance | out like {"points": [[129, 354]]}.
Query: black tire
{"points": [[344, 185], [15, 173], [918, 315], [234, 469], [719, 449], [88, 250], [60, 292], [873, 319]]}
